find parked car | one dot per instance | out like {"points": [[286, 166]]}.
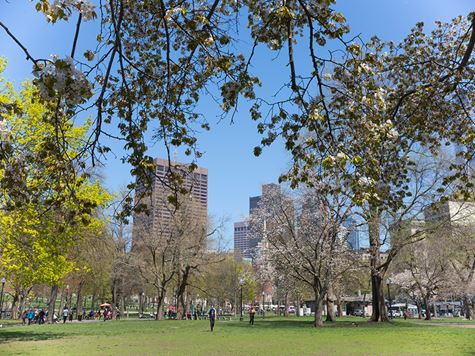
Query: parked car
{"points": [[291, 309], [395, 313], [358, 312]]}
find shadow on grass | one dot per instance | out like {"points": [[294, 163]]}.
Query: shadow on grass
{"points": [[294, 323], [276, 323], [28, 335]]}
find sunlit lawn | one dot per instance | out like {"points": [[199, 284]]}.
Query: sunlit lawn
{"points": [[271, 336]]}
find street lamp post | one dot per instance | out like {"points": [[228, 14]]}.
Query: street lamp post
{"points": [[389, 298], [1, 296], [263, 308], [241, 283]]}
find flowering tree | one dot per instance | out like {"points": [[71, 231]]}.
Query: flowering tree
{"points": [[462, 259], [304, 239], [425, 268], [372, 113]]}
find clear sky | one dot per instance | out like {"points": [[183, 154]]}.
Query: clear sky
{"points": [[234, 173]]}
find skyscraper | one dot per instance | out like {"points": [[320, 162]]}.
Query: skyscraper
{"points": [[353, 235], [254, 203], [245, 244], [160, 209], [241, 239]]}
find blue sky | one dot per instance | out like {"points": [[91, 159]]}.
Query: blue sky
{"points": [[234, 173]]}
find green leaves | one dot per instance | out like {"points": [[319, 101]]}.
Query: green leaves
{"points": [[48, 200]]}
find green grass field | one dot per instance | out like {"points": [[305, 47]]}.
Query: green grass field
{"points": [[271, 336]]}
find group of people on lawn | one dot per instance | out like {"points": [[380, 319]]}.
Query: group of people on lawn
{"points": [[212, 316]]}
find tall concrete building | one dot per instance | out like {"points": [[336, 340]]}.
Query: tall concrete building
{"points": [[245, 244], [241, 239], [160, 217], [452, 215], [352, 234], [254, 203]]}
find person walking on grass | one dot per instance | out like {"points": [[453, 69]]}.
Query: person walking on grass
{"points": [[65, 314], [212, 317], [252, 313], [30, 315]]}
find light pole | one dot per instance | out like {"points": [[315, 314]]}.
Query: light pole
{"points": [[389, 297], [1, 296], [263, 308], [241, 283]]}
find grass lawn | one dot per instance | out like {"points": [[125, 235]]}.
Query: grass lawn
{"points": [[271, 336]]}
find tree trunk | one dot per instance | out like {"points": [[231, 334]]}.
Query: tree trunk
{"points": [[16, 297], [318, 320], [51, 303], [330, 311], [330, 302], [364, 304], [69, 297], [93, 301], [114, 301], [62, 301], [23, 295], [419, 308], [188, 303], [427, 303], [338, 305], [79, 303], [160, 297], [122, 306], [183, 283], [377, 287], [182, 306], [467, 307], [286, 302]]}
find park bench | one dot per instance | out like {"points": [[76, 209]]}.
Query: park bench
{"points": [[224, 316]]}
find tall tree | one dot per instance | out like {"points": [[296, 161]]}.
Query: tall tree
{"points": [[304, 239], [41, 221], [371, 113]]}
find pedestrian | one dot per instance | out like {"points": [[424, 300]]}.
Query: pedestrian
{"points": [[405, 314], [30, 316], [252, 313], [212, 317], [65, 314], [41, 317]]}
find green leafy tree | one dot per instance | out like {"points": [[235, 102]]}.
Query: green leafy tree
{"points": [[41, 220]]}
